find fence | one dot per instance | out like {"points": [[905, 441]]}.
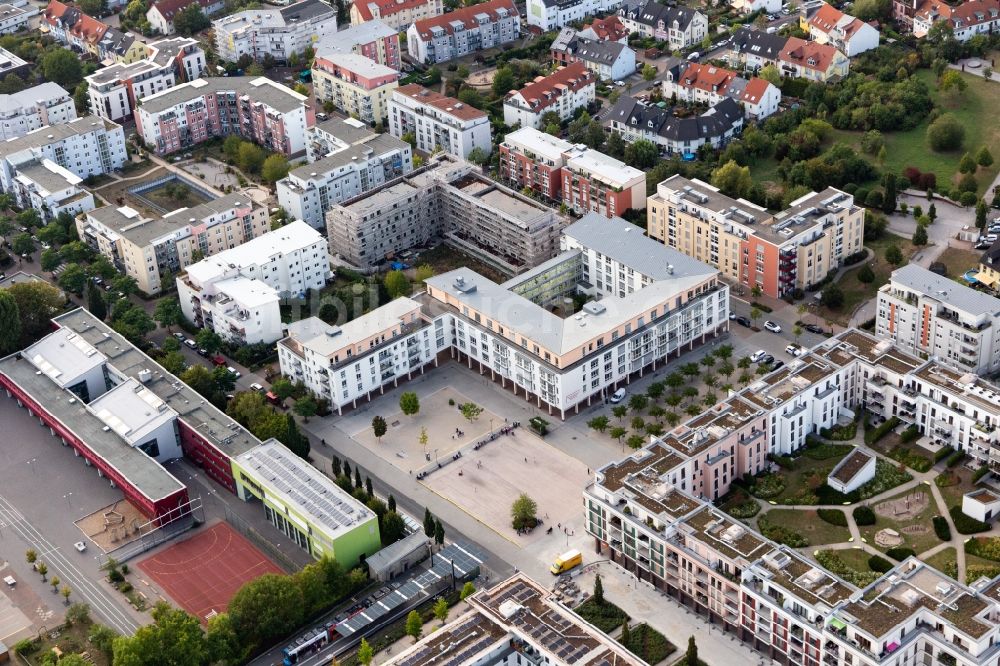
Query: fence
{"points": [[187, 515], [272, 551]]}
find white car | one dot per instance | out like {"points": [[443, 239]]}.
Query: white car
{"points": [[618, 396], [794, 350], [256, 387], [771, 326], [620, 84], [80, 546], [191, 343], [757, 355], [234, 372]]}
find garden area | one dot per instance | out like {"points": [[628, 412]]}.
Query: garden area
{"points": [[957, 261], [80, 635], [903, 521], [805, 525], [646, 643]]}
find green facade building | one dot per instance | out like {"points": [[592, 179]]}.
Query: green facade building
{"points": [[305, 505]]}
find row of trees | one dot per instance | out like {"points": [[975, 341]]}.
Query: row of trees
{"points": [[253, 160], [392, 528]]}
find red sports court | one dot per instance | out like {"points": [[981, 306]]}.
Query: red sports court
{"points": [[201, 574]]}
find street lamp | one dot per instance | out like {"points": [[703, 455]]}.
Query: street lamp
{"points": [[31, 465], [66, 497]]}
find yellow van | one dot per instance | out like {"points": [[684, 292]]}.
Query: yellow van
{"points": [[566, 561]]}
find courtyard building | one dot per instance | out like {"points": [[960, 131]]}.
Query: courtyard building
{"points": [[448, 200], [273, 32], [257, 109], [33, 108], [927, 314], [154, 249], [463, 31], [438, 122], [236, 292], [794, 249]]}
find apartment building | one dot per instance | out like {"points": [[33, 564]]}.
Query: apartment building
{"points": [[114, 90], [750, 50], [610, 29], [651, 514], [257, 109], [463, 31], [397, 14], [709, 85], [779, 253], [70, 26], [30, 109], [437, 121], [161, 14], [608, 60], [562, 92], [716, 127], [309, 191], [374, 39], [648, 304], [13, 19], [967, 19], [447, 199], [583, 179], [828, 25], [681, 27], [278, 33], [44, 167], [236, 292], [356, 85], [13, 64], [554, 14], [517, 616], [154, 250], [929, 315], [812, 61]]}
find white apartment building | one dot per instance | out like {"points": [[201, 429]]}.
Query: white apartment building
{"points": [[438, 121], [13, 19], [83, 147], [650, 513], [929, 315], [309, 191], [649, 303], [554, 14], [463, 31], [562, 92], [154, 250], [50, 189], [32, 108], [115, 90], [236, 292], [275, 32]]}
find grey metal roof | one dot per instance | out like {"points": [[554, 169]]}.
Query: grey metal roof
{"points": [[388, 556], [41, 175], [44, 92], [717, 121], [258, 89], [758, 42], [50, 134], [947, 291], [628, 244]]}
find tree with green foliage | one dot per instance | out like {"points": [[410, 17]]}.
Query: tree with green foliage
{"points": [[691, 656], [366, 654], [275, 168], [191, 20], [470, 411], [932, 213], [598, 423], [832, 297], [919, 236], [642, 154], [438, 532], [598, 590], [22, 244], [626, 636], [95, 301], [393, 528], [503, 81], [396, 284], [231, 147], [409, 403], [946, 133], [523, 512], [967, 164], [894, 255], [441, 610], [220, 637], [981, 211], [983, 157], [306, 407], [251, 157], [50, 259], [770, 74], [10, 325], [62, 66], [889, 197], [414, 625], [269, 606], [866, 274], [37, 303], [648, 72], [173, 632], [282, 388], [379, 428], [733, 179], [428, 523], [467, 591], [478, 156], [168, 312], [208, 340]]}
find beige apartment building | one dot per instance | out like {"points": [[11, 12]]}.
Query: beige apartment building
{"points": [[779, 253], [154, 250]]}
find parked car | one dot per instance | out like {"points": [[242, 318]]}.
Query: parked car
{"points": [[767, 359], [777, 365], [256, 387], [694, 56], [618, 396], [732, 315], [772, 326], [191, 343], [813, 328], [179, 335], [757, 355], [743, 321], [794, 350], [203, 353], [234, 372]]}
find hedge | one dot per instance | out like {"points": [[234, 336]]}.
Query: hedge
{"points": [[841, 433], [877, 433], [985, 547], [879, 564], [833, 516], [864, 515], [900, 553], [761, 307], [911, 434], [980, 473], [955, 458], [964, 524], [827, 451], [747, 509], [943, 453], [941, 528]]}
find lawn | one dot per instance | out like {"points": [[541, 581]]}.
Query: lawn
{"points": [[919, 542], [605, 615], [857, 292], [957, 261], [444, 258], [952, 494], [808, 524], [943, 560], [855, 558], [184, 197], [648, 644], [974, 109], [801, 481]]}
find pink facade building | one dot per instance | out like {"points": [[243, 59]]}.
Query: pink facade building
{"points": [[260, 110], [374, 39]]}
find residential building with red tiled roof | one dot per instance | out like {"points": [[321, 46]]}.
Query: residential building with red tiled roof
{"points": [[398, 14], [554, 14], [610, 29], [973, 17], [72, 27], [463, 31], [438, 121], [812, 60], [708, 84], [828, 25], [562, 92], [161, 14]]}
